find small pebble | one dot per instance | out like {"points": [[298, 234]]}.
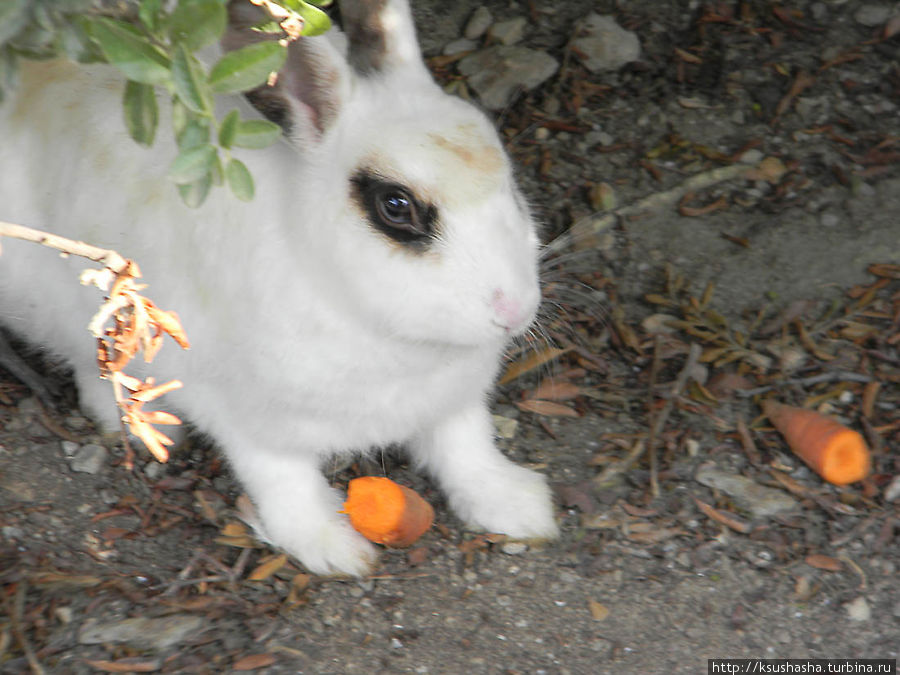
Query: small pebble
{"points": [[819, 11], [603, 45], [508, 32], [858, 610], [478, 24], [90, 458], [76, 423], [514, 548], [64, 614], [154, 470], [872, 15], [752, 156], [69, 448], [892, 491], [108, 496], [459, 46], [505, 427], [12, 532]]}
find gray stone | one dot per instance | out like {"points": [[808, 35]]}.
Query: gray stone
{"points": [[858, 609], [752, 156], [759, 500], [89, 459], [498, 72], [872, 15], [892, 491], [508, 32], [478, 23], [12, 532], [514, 548], [77, 423], [505, 427], [458, 46], [142, 633], [69, 448], [29, 407], [154, 470], [819, 11], [604, 45]]}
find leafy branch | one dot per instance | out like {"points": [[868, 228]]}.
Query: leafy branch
{"points": [[153, 44]]}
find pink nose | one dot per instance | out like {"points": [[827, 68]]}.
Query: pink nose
{"points": [[509, 310]]}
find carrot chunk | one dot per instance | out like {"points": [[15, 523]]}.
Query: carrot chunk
{"points": [[385, 512], [838, 454]]}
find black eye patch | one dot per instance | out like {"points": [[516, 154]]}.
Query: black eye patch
{"points": [[394, 210]]}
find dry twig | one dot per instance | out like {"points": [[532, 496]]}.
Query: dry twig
{"points": [[659, 420], [138, 325], [16, 608], [653, 202]]}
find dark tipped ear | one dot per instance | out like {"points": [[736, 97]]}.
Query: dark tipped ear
{"points": [[381, 36], [310, 88]]}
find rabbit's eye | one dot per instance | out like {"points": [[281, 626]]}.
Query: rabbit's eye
{"points": [[393, 210], [396, 209]]}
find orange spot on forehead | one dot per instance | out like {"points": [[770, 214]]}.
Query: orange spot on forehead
{"points": [[460, 167], [471, 163], [477, 153]]}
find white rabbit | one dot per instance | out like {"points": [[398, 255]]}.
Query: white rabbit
{"points": [[363, 298]]}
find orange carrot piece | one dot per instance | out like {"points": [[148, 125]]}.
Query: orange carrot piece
{"points": [[838, 454], [385, 512]]}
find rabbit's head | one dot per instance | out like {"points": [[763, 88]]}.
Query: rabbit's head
{"points": [[414, 218]]}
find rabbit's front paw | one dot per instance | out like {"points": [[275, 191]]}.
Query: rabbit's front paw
{"points": [[328, 547], [509, 499]]}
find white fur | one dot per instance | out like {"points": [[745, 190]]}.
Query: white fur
{"points": [[312, 333]]}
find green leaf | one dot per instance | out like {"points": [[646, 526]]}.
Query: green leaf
{"points": [[193, 164], [256, 134], [194, 194], [217, 174], [35, 41], [228, 128], [190, 82], [149, 14], [13, 17], [8, 70], [180, 118], [247, 67], [75, 41], [268, 26], [315, 21], [239, 180], [197, 23], [141, 112], [130, 52], [194, 134]]}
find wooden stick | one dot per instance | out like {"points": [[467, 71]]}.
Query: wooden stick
{"points": [[655, 201]]}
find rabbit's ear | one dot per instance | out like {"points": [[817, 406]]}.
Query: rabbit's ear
{"points": [[382, 36], [311, 86]]}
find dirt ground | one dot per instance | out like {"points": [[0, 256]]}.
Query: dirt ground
{"points": [[715, 543]]}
